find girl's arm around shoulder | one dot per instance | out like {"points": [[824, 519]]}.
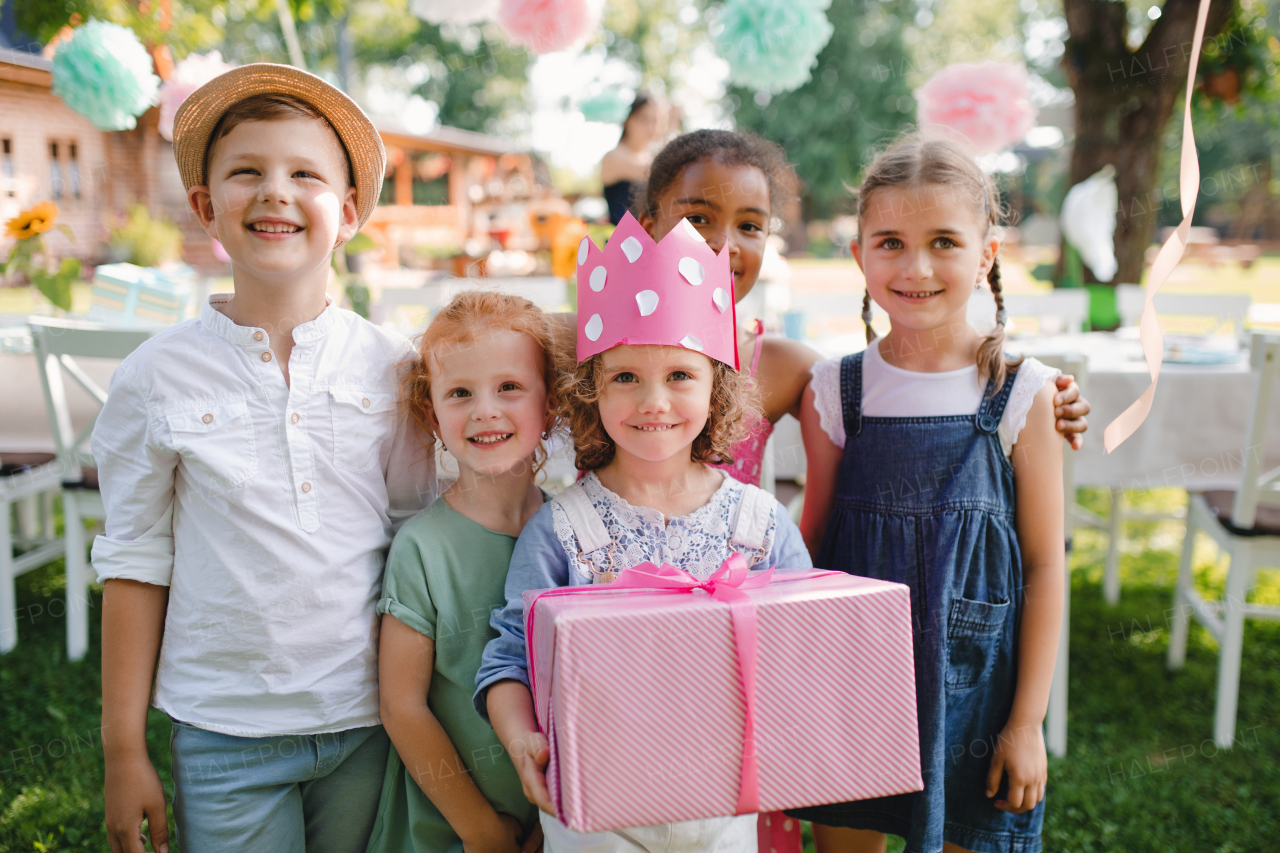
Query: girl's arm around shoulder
{"points": [[538, 562], [783, 374]]}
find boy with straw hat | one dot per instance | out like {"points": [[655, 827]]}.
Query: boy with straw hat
{"points": [[254, 471]]}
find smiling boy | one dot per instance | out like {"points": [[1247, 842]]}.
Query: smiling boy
{"points": [[254, 471]]}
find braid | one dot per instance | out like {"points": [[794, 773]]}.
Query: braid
{"points": [[866, 316], [991, 358]]}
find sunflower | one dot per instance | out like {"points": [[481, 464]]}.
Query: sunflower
{"points": [[29, 223]]}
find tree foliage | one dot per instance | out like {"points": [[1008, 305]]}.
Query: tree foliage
{"points": [[858, 97]]}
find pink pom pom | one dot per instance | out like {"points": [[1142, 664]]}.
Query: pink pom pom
{"points": [[545, 26], [188, 75], [987, 102]]}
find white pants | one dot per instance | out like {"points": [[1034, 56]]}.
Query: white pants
{"points": [[710, 835]]}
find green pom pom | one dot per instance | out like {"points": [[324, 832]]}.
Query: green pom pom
{"points": [[771, 45], [607, 107], [104, 73]]}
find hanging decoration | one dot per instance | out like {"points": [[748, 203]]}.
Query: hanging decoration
{"points": [[988, 102], [104, 73], [545, 26], [188, 75], [608, 107], [1089, 221], [455, 11], [772, 45]]}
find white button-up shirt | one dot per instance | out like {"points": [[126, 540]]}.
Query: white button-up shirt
{"points": [[267, 508]]}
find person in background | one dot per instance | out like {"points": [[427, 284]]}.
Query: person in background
{"points": [[627, 165]]}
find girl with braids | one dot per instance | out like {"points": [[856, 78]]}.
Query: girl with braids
{"points": [[730, 185], [933, 461]]}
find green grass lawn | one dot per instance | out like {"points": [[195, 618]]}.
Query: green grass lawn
{"points": [[1141, 774]]}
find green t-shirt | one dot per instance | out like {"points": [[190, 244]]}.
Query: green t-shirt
{"points": [[445, 575]]}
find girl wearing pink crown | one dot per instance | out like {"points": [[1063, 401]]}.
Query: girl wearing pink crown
{"points": [[656, 398]]}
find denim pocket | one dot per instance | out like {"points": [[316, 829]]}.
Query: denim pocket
{"points": [[974, 631]]}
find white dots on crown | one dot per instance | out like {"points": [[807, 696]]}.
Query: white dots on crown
{"points": [[631, 248], [691, 231], [582, 251], [690, 342], [648, 302], [597, 279], [594, 328], [721, 299], [692, 271]]}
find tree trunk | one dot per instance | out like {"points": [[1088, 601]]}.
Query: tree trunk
{"points": [[1123, 102]]}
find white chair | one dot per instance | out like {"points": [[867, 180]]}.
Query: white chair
{"points": [[1233, 307], [1246, 523], [27, 485], [58, 343], [1056, 718]]}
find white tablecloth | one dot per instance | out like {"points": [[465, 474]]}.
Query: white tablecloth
{"points": [[1194, 436]]}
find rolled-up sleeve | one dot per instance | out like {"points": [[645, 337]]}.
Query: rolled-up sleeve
{"points": [[538, 562], [136, 476]]}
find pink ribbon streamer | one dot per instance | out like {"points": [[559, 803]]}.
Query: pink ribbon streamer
{"points": [[1170, 254], [725, 584]]}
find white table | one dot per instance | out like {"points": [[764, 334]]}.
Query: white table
{"points": [[24, 422], [1193, 437]]}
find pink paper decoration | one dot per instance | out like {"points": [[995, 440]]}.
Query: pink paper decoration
{"points": [[987, 102], [545, 26], [677, 293], [188, 75]]}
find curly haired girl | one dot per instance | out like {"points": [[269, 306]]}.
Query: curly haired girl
{"points": [[647, 422]]}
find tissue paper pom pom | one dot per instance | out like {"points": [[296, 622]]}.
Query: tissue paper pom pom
{"points": [[771, 45], [104, 73], [545, 26], [455, 11], [607, 107], [188, 75], [988, 102]]}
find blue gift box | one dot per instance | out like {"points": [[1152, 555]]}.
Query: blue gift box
{"points": [[130, 295]]}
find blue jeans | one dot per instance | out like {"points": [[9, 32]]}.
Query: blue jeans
{"points": [[285, 794]]}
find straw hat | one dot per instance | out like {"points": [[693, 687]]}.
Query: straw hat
{"points": [[200, 112]]}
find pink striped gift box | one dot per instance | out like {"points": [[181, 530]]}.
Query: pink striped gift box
{"points": [[641, 696]]}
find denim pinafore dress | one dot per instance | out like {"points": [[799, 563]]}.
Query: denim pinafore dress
{"points": [[929, 502]]}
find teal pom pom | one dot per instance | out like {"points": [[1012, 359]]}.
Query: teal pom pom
{"points": [[607, 107], [771, 45], [104, 73]]}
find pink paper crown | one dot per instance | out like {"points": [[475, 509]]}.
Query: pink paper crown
{"points": [[677, 293]]}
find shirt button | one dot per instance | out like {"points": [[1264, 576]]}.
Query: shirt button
{"points": [[266, 356], [207, 419], [294, 418], [365, 402], [306, 487], [257, 336]]}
